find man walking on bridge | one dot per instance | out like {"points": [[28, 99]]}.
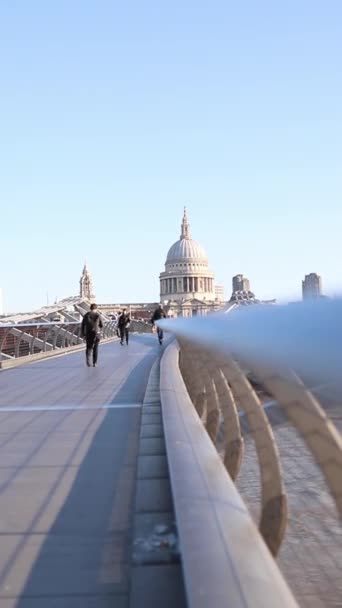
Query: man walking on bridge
{"points": [[123, 326], [158, 314], [90, 330]]}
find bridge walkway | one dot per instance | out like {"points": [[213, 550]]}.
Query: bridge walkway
{"points": [[68, 448]]}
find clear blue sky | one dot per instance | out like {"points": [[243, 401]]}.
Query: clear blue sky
{"points": [[114, 115]]}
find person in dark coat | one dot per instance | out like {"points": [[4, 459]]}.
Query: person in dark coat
{"points": [[158, 314], [123, 326], [90, 330]]}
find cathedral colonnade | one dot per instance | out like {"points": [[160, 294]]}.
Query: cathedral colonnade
{"points": [[187, 284]]}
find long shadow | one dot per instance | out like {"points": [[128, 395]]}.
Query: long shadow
{"points": [[134, 388], [84, 560], [145, 339]]}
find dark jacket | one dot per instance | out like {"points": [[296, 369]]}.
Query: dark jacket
{"points": [[91, 323], [124, 320], [157, 315]]}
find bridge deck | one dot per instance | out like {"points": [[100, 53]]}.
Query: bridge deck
{"points": [[68, 445]]}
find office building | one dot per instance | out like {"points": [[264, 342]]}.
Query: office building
{"points": [[312, 286], [240, 283]]}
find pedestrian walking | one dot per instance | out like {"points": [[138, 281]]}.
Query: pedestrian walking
{"points": [[158, 314], [123, 325], [90, 330]]}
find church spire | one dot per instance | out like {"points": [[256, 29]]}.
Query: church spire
{"points": [[86, 284], [185, 233]]}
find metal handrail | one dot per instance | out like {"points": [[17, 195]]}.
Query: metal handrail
{"points": [[37, 323], [18, 340]]}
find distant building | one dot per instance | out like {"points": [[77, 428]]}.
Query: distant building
{"points": [[142, 311], [1, 303], [243, 297], [219, 293], [187, 285], [240, 283], [86, 285], [312, 286], [242, 294]]}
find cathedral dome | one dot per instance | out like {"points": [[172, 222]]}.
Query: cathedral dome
{"points": [[187, 280], [186, 249]]}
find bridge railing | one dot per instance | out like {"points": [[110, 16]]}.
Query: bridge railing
{"points": [[231, 371], [19, 340], [30, 339], [141, 327], [224, 560]]}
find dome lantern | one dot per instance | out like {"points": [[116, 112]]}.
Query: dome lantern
{"points": [[185, 230], [186, 249]]}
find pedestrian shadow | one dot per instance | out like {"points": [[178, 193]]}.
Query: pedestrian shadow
{"points": [[134, 388], [145, 339], [85, 558], [151, 339]]}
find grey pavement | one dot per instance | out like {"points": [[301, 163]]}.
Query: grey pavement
{"points": [[68, 455]]}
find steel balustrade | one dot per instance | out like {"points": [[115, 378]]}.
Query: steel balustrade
{"points": [[26, 339]]}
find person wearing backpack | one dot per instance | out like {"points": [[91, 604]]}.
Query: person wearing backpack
{"points": [[90, 330], [123, 326]]}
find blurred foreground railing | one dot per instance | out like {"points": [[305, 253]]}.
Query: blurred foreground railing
{"points": [[230, 367], [225, 563]]}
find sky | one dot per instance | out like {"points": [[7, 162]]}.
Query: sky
{"points": [[115, 115]]}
